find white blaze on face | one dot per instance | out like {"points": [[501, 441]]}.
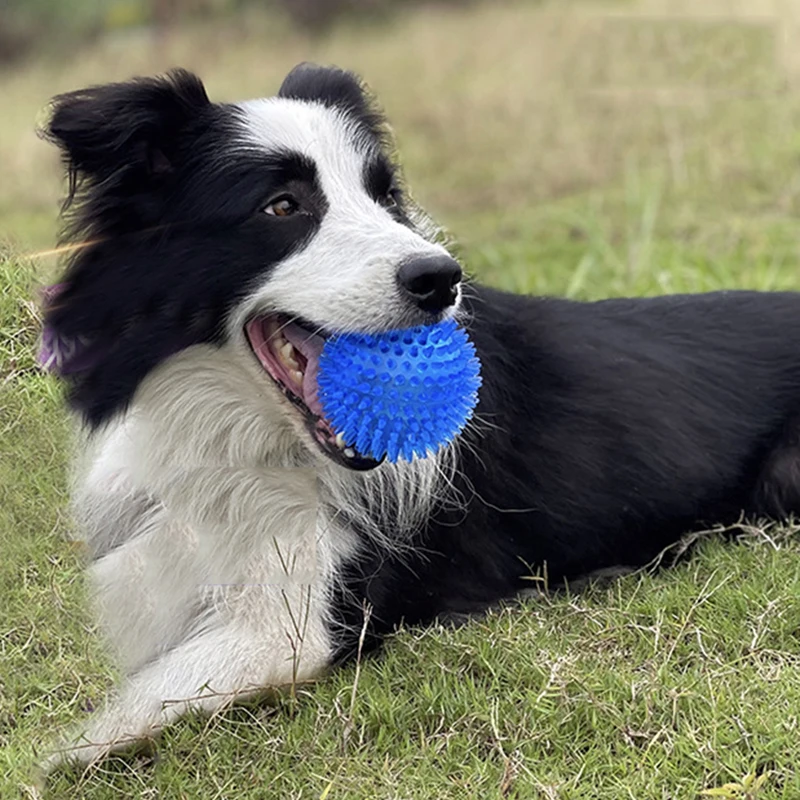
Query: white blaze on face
{"points": [[345, 277]]}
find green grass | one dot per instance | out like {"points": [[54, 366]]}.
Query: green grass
{"points": [[580, 154]]}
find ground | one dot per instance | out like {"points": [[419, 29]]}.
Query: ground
{"points": [[579, 149]]}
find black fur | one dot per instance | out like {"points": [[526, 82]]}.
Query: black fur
{"points": [[335, 88], [610, 429], [161, 188], [129, 138]]}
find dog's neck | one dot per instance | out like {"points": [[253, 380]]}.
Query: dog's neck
{"points": [[204, 426]]}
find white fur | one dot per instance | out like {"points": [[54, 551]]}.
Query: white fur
{"points": [[218, 586], [345, 279], [214, 520]]}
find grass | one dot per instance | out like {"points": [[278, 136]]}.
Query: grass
{"points": [[587, 150]]}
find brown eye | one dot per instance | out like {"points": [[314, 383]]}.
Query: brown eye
{"points": [[391, 199], [282, 207]]}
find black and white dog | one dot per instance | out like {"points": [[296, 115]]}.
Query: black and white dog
{"points": [[234, 545]]}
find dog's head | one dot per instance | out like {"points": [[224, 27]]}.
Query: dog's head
{"points": [[260, 226]]}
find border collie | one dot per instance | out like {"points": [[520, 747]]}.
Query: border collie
{"points": [[235, 544]]}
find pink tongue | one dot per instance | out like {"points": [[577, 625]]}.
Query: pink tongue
{"points": [[310, 346]]}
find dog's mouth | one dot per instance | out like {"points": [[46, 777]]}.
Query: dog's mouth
{"points": [[288, 351]]}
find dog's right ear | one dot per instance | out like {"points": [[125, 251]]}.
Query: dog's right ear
{"points": [[125, 134]]}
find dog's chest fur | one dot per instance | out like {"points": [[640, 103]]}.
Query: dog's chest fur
{"points": [[196, 517]]}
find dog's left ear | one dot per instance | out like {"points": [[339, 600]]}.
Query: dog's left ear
{"points": [[121, 135], [335, 88]]}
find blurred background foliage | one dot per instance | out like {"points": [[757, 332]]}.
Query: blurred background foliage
{"points": [[610, 143], [28, 25]]}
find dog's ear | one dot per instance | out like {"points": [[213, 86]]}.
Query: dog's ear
{"points": [[331, 86], [122, 134], [334, 88]]}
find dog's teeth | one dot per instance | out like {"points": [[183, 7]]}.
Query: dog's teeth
{"points": [[349, 452], [297, 376], [287, 354], [339, 441]]}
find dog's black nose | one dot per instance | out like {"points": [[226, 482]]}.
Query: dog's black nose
{"points": [[430, 281]]}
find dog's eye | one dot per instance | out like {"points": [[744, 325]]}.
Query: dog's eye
{"points": [[283, 206], [391, 199]]}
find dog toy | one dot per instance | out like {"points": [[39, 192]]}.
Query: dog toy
{"points": [[405, 392]]}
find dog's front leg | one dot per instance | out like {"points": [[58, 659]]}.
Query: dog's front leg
{"points": [[223, 662], [259, 569]]}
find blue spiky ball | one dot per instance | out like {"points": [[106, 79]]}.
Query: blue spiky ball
{"points": [[401, 393]]}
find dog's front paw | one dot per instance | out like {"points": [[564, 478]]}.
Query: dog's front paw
{"points": [[117, 729]]}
